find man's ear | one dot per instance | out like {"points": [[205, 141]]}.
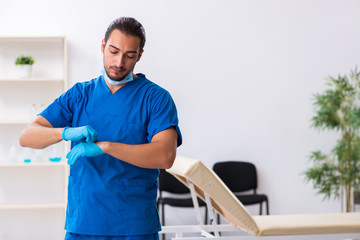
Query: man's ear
{"points": [[102, 46], [140, 54]]}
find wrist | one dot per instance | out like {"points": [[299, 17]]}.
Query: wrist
{"points": [[63, 133], [60, 132], [104, 146]]}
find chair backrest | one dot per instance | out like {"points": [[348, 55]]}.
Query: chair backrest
{"points": [[238, 176], [169, 183]]}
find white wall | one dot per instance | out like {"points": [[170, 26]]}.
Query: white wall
{"points": [[242, 73]]}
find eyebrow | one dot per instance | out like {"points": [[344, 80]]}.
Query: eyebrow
{"points": [[119, 49]]}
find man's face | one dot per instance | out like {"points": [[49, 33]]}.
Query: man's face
{"points": [[121, 53]]}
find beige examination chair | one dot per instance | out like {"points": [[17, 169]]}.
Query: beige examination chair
{"points": [[204, 183]]}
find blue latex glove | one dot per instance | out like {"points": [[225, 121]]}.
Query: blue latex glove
{"points": [[83, 149], [86, 133]]}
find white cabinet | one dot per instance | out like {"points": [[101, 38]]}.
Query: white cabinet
{"points": [[32, 195]]}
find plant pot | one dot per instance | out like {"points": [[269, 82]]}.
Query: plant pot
{"points": [[24, 71]]}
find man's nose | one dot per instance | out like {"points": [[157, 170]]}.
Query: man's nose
{"points": [[120, 60]]}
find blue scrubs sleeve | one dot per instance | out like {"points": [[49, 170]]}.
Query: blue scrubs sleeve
{"points": [[163, 115], [60, 112]]}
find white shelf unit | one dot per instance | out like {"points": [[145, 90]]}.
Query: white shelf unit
{"points": [[33, 195], [32, 165], [25, 206]]}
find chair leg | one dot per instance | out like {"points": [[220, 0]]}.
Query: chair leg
{"points": [[162, 215], [163, 219], [267, 207], [206, 215], [261, 208], [218, 221]]}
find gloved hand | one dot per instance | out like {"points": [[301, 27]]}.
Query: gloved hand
{"points": [[86, 133], [83, 149]]}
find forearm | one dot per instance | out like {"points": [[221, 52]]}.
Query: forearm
{"points": [[159, 153], [149, 155], [39, 136]]}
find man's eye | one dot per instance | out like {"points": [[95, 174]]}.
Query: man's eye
{"points": [[113, 52], [131, 56]]}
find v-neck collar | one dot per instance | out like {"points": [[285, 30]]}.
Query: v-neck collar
{"points": [[107, 89]]}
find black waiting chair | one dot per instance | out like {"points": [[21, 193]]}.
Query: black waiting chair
{"points": [[241, 177], [168, 183]]}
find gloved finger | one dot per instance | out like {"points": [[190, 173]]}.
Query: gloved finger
{"points": [[83, 149], [71, 156], [91, 134], [70, 160], [75, 153], [68, 155], [73, 134]]}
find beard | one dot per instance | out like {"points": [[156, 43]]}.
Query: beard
{"points": [[122, 70]]}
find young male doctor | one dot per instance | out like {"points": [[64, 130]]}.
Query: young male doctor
{"points": [[122, 129]]}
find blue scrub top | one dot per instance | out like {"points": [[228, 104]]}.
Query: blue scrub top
{"points": [[107, 196]]}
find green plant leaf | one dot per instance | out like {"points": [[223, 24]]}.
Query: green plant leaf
{"points": [[22, 60], [338, 108]]}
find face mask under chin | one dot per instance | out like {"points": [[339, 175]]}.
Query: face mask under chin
{"points": [[128, 78]]}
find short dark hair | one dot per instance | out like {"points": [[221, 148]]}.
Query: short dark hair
{"points": [[129, 26]]}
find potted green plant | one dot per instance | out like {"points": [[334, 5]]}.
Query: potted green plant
{"points": [[338, 108], [24, 64]]}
